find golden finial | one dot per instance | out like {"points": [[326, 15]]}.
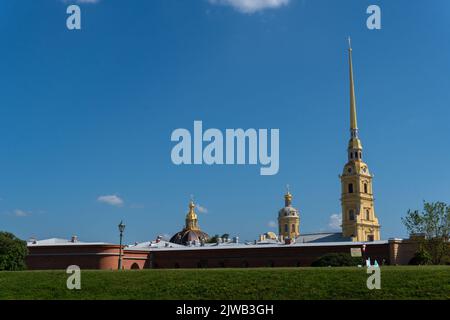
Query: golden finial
{"points": [[191, 216], [288, 196], [191, 202]]}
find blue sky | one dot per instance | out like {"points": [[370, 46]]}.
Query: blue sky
{"points": [[89, 113]]}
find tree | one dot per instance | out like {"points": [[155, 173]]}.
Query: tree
{"points": [[214, 239], [434, 224], [337, 260], [420, 258], [13, 252]]}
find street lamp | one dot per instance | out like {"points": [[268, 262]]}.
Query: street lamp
{"points": [[121, 230], [364, 253]]}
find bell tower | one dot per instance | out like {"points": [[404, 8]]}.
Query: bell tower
{"points": [[358, 213], [288, 219]]}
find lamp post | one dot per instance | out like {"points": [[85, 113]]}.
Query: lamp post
{"points": [[364, 253], [121, 230]]}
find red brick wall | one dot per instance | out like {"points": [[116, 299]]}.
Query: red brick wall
{"points": [[288, 256], [84, 256], [106, 256]]}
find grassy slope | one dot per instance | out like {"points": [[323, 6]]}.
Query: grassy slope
{"points": [[278, 283]]}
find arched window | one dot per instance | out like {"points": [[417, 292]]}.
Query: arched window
{"points": [[350, 188], [286, 228], [293, 228], [351, 215], [351, 155], [366, 189], [135, 266], [367, 214], [356, 155]]}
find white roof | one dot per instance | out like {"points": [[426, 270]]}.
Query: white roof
{"points": [[153, 244], [231, 245], [59, 242]]}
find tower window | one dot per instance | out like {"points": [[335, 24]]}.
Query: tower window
{"points": [[351, 155], [351, 215], [367, 214], [286, 228], [356, 155], [350, 188], [365, 188], [293, 228]]}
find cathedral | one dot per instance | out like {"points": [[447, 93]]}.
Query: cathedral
{"points": [[359, 222], [358, 213], [190, 247]]}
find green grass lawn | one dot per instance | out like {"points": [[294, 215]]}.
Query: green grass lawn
{"points": [[430, 282]]}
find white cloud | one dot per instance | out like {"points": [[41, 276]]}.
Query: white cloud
{"points": [[21, 213], [272, 224], [250, 6], [201, 209], [112, 200], [335, 222]]}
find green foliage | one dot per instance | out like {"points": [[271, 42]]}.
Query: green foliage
{"points": [[446, 260], [434, 223], [337, 260], [13, 252], [397, 282], [421, 257], [215, 238], [225, 236]]}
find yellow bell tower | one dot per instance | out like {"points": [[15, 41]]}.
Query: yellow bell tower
{"points": [[358, 213], [288, 219]]}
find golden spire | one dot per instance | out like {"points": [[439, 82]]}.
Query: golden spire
{"points": [[191, 217], [354, 145], [353, 120], [287, 197]]}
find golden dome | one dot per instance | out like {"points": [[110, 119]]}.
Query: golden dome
{"points": [[191, 232]]}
